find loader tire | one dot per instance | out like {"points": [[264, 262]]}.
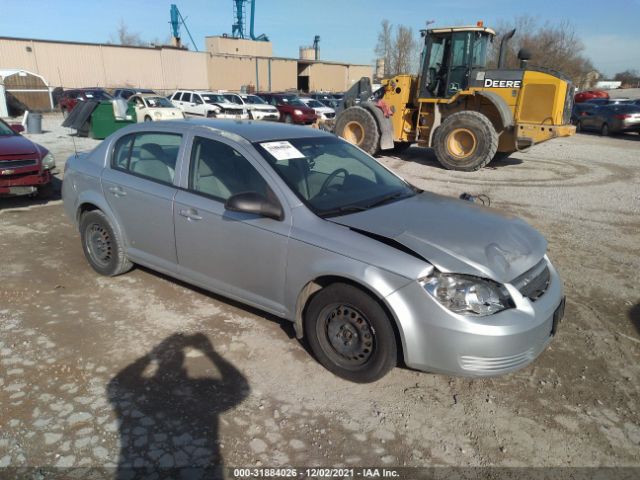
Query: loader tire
{"points": [[465, 141], [358, 126]]}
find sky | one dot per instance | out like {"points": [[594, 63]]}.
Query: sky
{"points": [[348, 28]]}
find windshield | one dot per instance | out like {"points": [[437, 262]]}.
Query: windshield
{"points": [[331, 176], [314, 103], [158, 102], [5, 129], [291, 100], [97, 95], [213, 98], [254, 100]]}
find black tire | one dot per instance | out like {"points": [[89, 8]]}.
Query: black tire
{"points": [[578, 126], [604, 130], [65, 113], [358, 126], [288, 119], [399, 147], [101, 245], [369, 350], [147, 118], [465, 141]]}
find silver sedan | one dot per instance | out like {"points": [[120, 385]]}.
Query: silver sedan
{"points": [[304, 225]]}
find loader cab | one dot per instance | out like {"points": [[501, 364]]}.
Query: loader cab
{"points": [[448, 57]]}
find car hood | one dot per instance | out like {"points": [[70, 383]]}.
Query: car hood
{"points": [[16, 145], [324, 109], [227, 105], [455, 235]]}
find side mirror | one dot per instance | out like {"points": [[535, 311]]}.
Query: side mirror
{"points": [[255, 203], [16, 127]]}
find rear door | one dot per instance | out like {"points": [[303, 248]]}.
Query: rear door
{"points": [[237, 254], [139, 187]]}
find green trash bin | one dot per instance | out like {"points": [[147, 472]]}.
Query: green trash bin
{"points": [[104, 121]]}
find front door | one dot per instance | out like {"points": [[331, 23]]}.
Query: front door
{"points": [[138, 185], [240, 255]]}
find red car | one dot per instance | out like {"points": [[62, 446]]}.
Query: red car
{"points": [[70, 98], [291, 108], [25, 167], [589, 95]]}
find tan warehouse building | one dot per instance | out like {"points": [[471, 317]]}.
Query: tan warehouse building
{"points": [[227, 64]]}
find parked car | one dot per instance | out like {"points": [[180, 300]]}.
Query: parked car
{"points": [[324, 112], [291, 108], [25, 166], [589, 95], [207, 104], [70, 98], [258, 109], [581, 110], [152, 107], [611, 119], [128, 92], [306, 226]]}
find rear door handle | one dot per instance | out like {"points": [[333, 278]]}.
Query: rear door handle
{"points": [[190, 214], [117, 191]]}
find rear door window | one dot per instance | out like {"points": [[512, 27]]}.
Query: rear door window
{"points": [[150, 155]]}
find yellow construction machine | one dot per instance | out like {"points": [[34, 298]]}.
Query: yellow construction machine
{"points": [[467, 112]]}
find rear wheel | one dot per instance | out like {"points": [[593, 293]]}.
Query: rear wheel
{"points": [[147, 118], [65, 113], [350, 333], [358, 126], [604, 130], [101, 245], [465, 141]]}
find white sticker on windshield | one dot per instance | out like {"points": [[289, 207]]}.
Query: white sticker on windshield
{"points": [[282, 150]]}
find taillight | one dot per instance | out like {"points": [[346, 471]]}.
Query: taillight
{"points": [[583, 114], [622, 116]]}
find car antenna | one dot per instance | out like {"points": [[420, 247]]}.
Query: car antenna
{"points": [[75, 149]]}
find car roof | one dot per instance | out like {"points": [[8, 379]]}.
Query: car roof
{"points": [[252, 131]]}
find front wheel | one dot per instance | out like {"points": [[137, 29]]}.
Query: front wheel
{"points": [[350, 333], [465, 141], [604, 130], [101, 245], [357, 125], [147, 118], [288, 119]]}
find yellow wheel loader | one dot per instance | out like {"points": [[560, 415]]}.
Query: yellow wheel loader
{"points": [[468, 113]]}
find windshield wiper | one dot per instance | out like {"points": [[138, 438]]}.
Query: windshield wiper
{"points": [[346, 209], [387, 198]]}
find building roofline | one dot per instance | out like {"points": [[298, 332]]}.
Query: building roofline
{"points": [[69, 42]]}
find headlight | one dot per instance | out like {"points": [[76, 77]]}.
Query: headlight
{"points": [[467, 295], [49, 162], [297, 112]]}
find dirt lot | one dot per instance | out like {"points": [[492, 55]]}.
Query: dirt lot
{"points": [[91, 373]]}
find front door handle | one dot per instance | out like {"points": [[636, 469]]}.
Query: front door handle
{"points": [[117, 191], [190, 214]]}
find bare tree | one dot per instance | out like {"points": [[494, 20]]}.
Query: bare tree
{"points": [[404, 60], [384, 47], [124, 36], [556, 46], [629, 78], [398, 47]]}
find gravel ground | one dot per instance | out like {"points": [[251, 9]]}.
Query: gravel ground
{"points": [[141, 369]]}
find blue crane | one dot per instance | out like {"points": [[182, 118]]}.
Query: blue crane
{"points": [[176, 20], [238, 29]]}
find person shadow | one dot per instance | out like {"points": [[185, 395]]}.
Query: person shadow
{"points": [[168, 420]]}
